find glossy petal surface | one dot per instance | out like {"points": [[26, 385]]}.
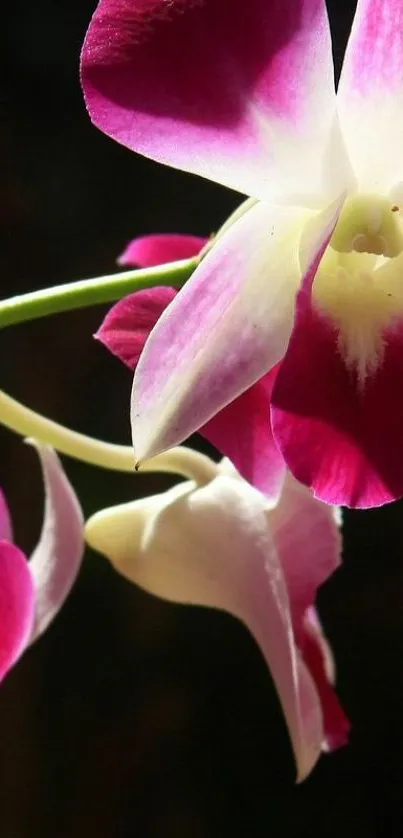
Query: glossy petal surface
{"points": [[56, 559], [157, 248], [370, 94], [341, 439], [213, 547], [17, 603], [226, 328], [236, 94]]}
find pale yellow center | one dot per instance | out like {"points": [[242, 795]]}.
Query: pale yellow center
{"points": [[359, 284]]}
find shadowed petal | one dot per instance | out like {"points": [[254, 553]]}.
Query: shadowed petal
{"points": [[319, 659], [227, 327], [237, 97], [128, 323], [370, 94], [6, 529], [213, 547], [157, 248], [17, 604], [308, 540], [56, 559], [242, 431]]}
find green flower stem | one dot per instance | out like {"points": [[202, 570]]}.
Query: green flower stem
{"points": [[180, 460], [89, 292]]}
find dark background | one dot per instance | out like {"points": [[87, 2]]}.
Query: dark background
{"points": [[133, 717]]}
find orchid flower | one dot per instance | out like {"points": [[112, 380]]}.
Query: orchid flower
{"points": [[32, 593], [241, 430], [310, 276], [222, 545]]}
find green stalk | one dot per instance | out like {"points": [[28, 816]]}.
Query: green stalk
{"points": [[89, 292], [22, 420]]}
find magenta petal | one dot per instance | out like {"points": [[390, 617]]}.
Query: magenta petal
{"points": [[157, 248], [214, 89], [17, 603], [343, 441], [6, 530], [336, 724], [242, 432], [128, 324], [308, 540]]}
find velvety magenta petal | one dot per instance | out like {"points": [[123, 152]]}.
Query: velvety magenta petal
{"points": [[242, 431], [227, 327], [56, 559], [336, 724], [212, 546], [344, 441], [308, 540], [240, 98], [17, 602], [128, 324], [6, 529], [157, 248], [371, 93]]}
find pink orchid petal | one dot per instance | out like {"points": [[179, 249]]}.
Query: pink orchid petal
{"points": [[234, 96], [17, 604], [370, 94], [307, 537], [242, 432], [342, 440], [157, 248], [315, 651], [6, 527], [128, 324], [227, 327], [56, 560], [212, 546]]}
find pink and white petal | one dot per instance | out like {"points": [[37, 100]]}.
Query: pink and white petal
{"points": [[56, 560], [157, 248], [6, 527], [242, 98], [227, 327], [370, 94], [213, 547], [341, 439], [17, 604], [316, 653], [129, 322], [308, 541], [242, 431]]}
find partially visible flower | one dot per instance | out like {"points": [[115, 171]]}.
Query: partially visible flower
{"points": [[247, 98], [157, 248], [223, 545], [32, 592], [241, 430]]}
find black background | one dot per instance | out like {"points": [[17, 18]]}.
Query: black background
{"points": [[132, 717]]}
